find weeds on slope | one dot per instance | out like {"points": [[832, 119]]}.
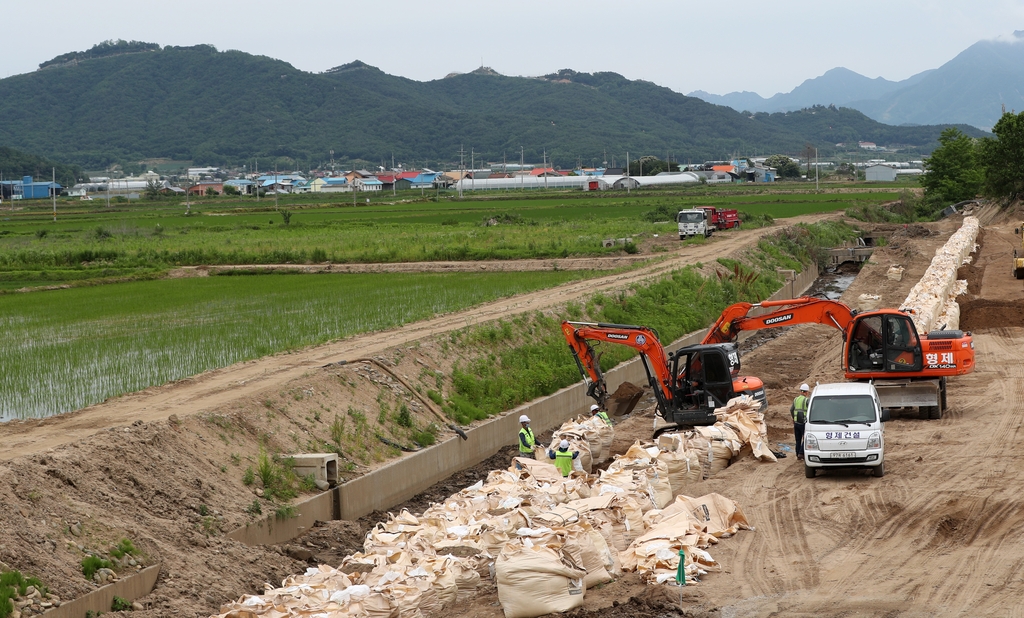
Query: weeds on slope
{"points": [[527, 357]]}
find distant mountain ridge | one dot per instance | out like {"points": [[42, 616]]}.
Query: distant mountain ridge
{"points": [[969, 89], [139, 101]]}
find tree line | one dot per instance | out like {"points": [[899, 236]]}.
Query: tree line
{"points": [[963, 167]]}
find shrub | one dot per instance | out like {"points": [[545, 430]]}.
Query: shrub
{"points": [[120, 605], [91, 564], [404, 418], [126, 548]]}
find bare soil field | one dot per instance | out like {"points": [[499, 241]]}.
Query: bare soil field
{"points": [[938, 535]]}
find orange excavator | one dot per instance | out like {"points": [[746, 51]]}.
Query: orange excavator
{"points": [[688, 384], [907, 369]]}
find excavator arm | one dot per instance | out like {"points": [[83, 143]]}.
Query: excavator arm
{"points": [[642, 339], [804, 310]]}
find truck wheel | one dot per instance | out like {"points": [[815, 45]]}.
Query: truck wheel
{"points": [[879, 470], [809, 471], [934, 412], [924, 413], [682, 237]]}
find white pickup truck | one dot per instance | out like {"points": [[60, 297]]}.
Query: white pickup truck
{"points": [[693, 223], [845, 428]]}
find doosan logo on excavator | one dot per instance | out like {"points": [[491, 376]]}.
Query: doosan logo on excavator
{"points": [[776, 320]]}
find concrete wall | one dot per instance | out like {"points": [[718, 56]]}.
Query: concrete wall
{"points": [[100, 600], [272, 529]]}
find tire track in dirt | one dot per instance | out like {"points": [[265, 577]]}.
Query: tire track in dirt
{"points": [[222, 386]]}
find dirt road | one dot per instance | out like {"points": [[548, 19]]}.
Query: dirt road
{"points": [[939, 534], [216, 388]]}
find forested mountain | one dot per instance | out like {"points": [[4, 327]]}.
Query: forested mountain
{"points": [[970, 89], [14, 165], [195, 103]]}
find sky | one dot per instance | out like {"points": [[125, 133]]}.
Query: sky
{"points": [[686, 46]]}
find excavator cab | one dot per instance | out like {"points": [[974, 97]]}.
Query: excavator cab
{"points": [[884, 342], [705, 378]]}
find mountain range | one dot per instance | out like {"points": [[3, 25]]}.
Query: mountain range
{"points": [[973, 88], [121, 102]]}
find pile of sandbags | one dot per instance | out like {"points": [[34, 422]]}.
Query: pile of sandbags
{"points": [[592, 437], [740, 430], [930, 299], [542, 538]]}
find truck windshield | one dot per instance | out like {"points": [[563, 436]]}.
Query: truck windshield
{"points": [[842, 408], [691, 217]]}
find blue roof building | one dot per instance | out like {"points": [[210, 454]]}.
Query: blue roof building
{"points": [[26, 189]]}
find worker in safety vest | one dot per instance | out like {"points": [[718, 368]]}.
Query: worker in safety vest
{"points": [[563, 457], [526, 438], [799, 412], [601, 414]]}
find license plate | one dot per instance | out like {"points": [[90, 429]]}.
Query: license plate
{"points": [[843, 455]]}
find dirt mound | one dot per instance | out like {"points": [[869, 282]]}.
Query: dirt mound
{"points": [[977, 315]]}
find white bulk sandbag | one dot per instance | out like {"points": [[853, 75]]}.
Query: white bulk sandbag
{"points": [[533, 581]]}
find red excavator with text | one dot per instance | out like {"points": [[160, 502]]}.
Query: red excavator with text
{"points": [[908, 369], [688, 383]]}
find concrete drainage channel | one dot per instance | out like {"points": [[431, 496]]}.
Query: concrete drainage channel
{"points": [[403, 478]]}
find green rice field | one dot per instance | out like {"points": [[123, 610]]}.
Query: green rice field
{"points": [[66, 349]]}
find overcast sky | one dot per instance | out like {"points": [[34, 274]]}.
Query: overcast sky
{"points": [[686, 46]]}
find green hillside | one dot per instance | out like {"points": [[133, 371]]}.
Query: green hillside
{"points": [[134, 101], [15, 164]]}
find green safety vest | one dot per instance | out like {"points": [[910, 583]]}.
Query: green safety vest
{"points": [[800, 409], [601, 414], [563, 461], [530, 440]]}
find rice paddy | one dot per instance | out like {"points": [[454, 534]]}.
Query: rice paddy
{"points": [[66, 349]]}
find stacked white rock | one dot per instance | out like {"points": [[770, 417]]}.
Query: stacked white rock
{"points": [[932, 301]]}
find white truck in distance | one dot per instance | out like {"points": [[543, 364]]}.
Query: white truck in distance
{"points": [[844, 428], [692, 223]]}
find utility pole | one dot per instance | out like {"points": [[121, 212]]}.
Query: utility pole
{"points": [[627, 172], [462, 169], [258, 180], [522, 181], [275, 186], [816, 166], [545, 169], [53, 192], [472, 167]]}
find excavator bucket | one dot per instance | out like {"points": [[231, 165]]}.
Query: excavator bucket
{"points": [[624, 399], [909, 393]]}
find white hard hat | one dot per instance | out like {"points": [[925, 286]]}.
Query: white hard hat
{"points": [[595, 408], [524, 419], [804, 387], [564, 444]]}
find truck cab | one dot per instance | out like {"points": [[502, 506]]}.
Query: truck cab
{"points": [[845, 429], [692, 223]]}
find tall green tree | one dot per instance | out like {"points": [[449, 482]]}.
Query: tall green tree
{"points": [[954, 172], [1003, 158], [786, 167]]}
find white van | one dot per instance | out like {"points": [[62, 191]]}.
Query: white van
{"points": [[844, 428]]}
